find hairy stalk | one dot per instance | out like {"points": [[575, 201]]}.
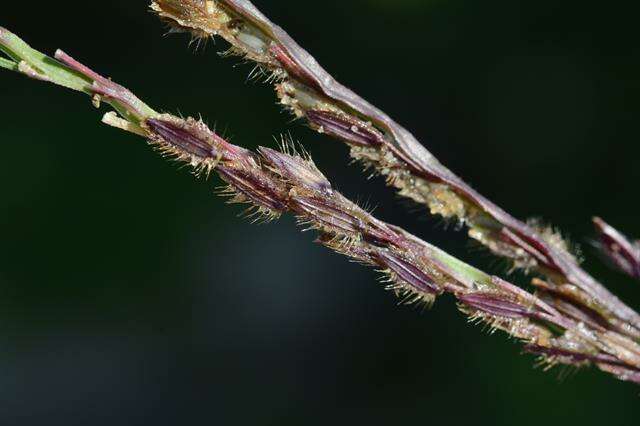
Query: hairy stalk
{"points": [[274, 182], [305, 88], [622, 253]]}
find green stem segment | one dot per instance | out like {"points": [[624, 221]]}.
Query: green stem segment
{"points": [[10, 65], [67, 72], [35, 64]]}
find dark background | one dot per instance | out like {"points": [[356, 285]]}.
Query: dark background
{"points": [[130, 295]]}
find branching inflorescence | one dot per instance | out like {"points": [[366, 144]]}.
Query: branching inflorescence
{"points": [[571, 319], [305, 88]]}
